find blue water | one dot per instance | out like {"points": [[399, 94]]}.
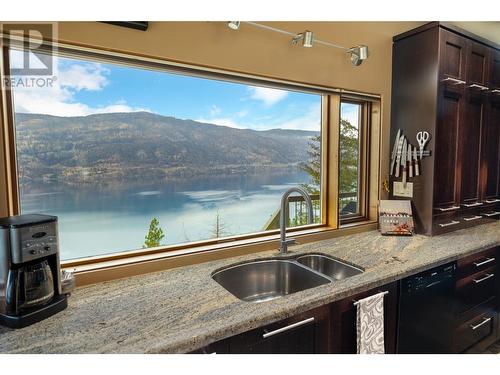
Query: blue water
{"points": [[97, 220]]}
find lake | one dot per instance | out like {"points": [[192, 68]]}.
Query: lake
{"points": [[97, 220]]}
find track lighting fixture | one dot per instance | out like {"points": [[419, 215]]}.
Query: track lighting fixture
{"points": [[358, 53], [234, 25]]}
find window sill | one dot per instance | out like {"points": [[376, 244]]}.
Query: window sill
{"points": [[105, 269]]}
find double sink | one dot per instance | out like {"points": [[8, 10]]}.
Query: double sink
{"points": [[264, 280]]}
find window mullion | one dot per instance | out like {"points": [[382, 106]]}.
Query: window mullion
{"points": [[331, 161]]}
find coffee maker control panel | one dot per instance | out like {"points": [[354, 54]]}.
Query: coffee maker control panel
{"points": [[35, 242]]}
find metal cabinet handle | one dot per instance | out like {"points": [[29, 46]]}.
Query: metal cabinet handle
{"points": [[488, 260], [488, 276], [472, 204], [453, 80], [480, 87], [492, 200], [490, 214], [472, 218], [485, 320], [495, 91], [453, 222], [448, 208], [283, 329]]}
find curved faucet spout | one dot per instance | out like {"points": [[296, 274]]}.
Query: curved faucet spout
{"points": [[283, 219]]}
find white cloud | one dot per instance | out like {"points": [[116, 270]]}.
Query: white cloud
{"points": [[310, 120], [88, 76], [59, 100], [242, 113], [214, 110], [222, 122], [267, 95]]}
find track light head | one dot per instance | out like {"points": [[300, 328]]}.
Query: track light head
{"points": [[307, 38], [233, 25], [358, 54]]}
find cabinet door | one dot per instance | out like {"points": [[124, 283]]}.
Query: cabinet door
{"points": [[470, 148], [490, 166], [453, 53], [446, 163], [343, 320], [478, 65], [306, 333], [494, 82]]}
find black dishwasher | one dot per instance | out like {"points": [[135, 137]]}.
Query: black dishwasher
{"points": [[426, 311]]}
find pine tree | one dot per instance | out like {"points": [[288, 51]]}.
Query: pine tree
{"points": [[155, 234], [219, 227]]}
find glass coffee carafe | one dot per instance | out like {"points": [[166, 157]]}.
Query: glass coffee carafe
{"points": [[36, 284]]}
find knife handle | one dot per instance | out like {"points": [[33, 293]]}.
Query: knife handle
{"points": [[397, 169], [417, 170], [410, 168], [404, 176]]}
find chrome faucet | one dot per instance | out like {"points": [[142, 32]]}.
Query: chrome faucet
{"points": [[284, 242]]}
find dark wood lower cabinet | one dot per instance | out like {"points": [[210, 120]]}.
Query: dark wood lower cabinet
{"points": [[332, 328], [477, 309], [306, 333], [343, 316], [327, 329]]}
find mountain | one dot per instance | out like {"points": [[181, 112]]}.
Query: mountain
{"points": [[147, 145]]}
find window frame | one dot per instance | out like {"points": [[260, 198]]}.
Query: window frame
{"points": [[363, 162], [147, 260]]}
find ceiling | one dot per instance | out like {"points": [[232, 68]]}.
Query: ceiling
{"points": [[489, 30]]}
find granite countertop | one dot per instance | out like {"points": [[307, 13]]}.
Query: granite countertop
{"points": [[183, 309]]}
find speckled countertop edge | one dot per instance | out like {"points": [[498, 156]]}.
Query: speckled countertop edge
{"points": [[183, 309]]}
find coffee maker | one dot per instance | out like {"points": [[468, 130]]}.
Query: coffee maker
{"points": [[30, 271]]}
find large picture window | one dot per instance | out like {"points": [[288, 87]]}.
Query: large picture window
{"points": [[131, 158]]}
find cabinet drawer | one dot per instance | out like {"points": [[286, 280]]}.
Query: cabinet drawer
{"points": [[470, 217], [476, 262], [444, 223], [491, 212], [475, 289], [474, 330], [306, 333]]}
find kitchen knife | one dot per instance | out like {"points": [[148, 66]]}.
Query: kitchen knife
{"points": [[415, 158], [394, 152], [398, 154], [403, 161], [410, 162]]}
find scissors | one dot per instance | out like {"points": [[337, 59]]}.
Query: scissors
{"points": [[422, 138]]}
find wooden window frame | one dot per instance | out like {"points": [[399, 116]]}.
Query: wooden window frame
{"points": [[122, 264], [363, 163]]}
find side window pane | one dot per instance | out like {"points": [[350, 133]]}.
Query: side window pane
{"points": [[349, 174], [131, 158]]}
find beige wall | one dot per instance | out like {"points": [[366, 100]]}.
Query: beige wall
{"points": [[261, 52]]}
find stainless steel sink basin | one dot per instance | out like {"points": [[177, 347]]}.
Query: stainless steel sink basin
{"points": [[267, 279], [328, 266]]}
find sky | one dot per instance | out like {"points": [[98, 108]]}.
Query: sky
{"points": [[83, 88]]}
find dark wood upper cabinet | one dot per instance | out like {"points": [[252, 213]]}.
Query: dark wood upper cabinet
{"points": [[470, 148], [446, 180], [446, 81], [494, 81], [478, 56], [490, 166], [453, 56]]}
